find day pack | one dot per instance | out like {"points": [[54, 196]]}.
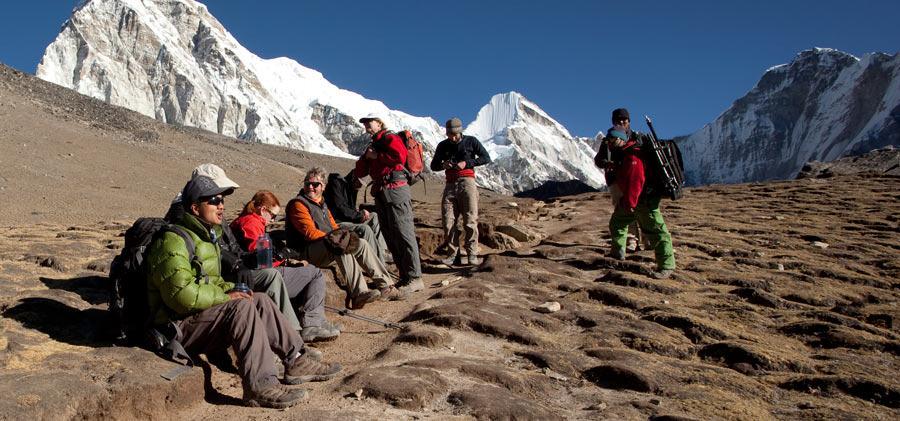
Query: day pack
{"points": [[665, 167], [130, 316], [415, 156]]}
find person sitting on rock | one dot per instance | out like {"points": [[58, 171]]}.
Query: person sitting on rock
{"points": [[304, 283], [309, 221], [340, 196], [235, 267], [211, 315]]}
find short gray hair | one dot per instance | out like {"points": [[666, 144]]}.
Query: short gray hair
{"points": [[318, 172]]}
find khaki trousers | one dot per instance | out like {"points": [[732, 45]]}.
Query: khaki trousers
{"points": [[460, 198], [352, 265]]}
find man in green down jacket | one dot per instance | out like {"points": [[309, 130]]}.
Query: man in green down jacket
{"points": [[212, 316]]}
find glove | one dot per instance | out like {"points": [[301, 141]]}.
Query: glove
{"points": [[244, 275]]}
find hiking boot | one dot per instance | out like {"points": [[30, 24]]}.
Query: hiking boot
{"points": [[618, 254], [412, 286], [318, 333], [362, 299], [391, 293], [663, 274], [277, 396], [473, 259], [453, 260], [305, 369]]}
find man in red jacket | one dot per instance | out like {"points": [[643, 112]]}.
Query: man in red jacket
{"points": [[384, 161], [640, 201]]}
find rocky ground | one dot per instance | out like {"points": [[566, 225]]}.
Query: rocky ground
{"points": [[783, 306]]}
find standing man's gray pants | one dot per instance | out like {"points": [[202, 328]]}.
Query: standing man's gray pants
{"points": [[394, 207], [460, 199]]}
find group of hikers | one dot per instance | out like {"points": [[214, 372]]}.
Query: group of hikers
{"points": [[217, 296]]}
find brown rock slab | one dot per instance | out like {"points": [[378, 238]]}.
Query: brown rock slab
{"points": [[494, 403], [404, 387]]}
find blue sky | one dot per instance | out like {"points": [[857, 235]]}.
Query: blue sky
{"points": [[681, 62]]}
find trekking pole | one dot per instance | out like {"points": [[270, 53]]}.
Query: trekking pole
{"points": [[348, 313]]}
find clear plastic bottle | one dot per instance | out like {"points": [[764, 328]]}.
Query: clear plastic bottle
{"points": [[264, 251]]}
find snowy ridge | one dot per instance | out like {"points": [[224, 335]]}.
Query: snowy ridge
{"points": [[517, 133], [173, 61], [199, 75], [821, 106]]}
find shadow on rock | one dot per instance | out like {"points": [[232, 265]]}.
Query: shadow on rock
{"points": [[92, 289], [61, 322]]}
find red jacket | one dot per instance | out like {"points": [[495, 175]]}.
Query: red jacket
{"points": [[630, 176], [247, 228], [391, 157]]}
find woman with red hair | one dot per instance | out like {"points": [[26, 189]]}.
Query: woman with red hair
{"points": [[304, 283]]}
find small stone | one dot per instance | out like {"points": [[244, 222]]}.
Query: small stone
{"points": [[778, 217], [548, 307], [779, 267], [656, 402], [819, 244], [512, 204], [597, 406], [358, 394], [554, 375], [665, 301]]}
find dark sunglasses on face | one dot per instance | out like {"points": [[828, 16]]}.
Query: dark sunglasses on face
{"points": [[314, 184], [214, 201]]}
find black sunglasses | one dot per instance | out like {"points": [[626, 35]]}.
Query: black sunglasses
{"points": [[215, 200], [315, 184]]}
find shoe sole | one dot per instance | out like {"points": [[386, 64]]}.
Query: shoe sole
{"points": [[294, 380], [258, 403]]}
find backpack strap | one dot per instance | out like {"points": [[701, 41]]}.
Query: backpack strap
{"points": [[191, 247]]}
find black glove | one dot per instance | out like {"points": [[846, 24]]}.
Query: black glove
{"points": [[243, 275]]}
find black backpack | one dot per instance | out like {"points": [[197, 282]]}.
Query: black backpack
{"points": [[130, 316], [665, 168]]}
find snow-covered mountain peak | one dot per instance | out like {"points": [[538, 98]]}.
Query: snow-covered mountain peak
{"points": [[173, 61], [823, 105], [516, 132]]}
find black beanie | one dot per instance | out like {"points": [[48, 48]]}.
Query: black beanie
{"points": [[620, 113]]}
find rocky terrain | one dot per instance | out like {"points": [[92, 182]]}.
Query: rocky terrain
{"points": [[783, 306]]}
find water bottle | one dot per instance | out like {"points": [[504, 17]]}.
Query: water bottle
{"points": [[264, 251], [240, 287]]}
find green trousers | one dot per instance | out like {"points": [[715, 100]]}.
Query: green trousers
{"points": [[647, 215]]}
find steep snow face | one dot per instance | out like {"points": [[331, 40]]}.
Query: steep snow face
{"points": [[823, 105], [173, 61], [518, 134]]}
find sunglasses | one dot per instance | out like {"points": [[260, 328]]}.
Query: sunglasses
{"points": [[315, 184], [215, 200]]}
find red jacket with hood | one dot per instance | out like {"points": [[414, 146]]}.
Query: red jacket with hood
{"points": [[391, 157]]}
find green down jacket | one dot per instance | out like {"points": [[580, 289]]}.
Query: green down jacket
{"points": [[176, 288]]}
